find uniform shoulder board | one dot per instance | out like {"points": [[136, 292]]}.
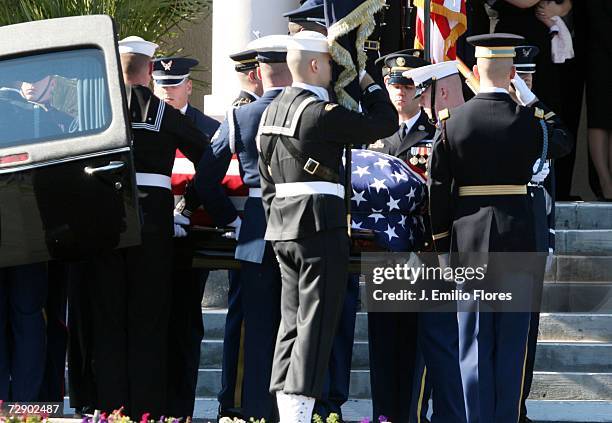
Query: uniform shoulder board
{"points": [[330, 106], [539, 113], [443, 114]]}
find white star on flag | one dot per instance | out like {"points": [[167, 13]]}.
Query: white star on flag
{"points": [[362, 171], [393, 204], [356, 225], [382, 163], [378, 184], [403, 221], [358, 197], [376, 215], [410, 195], [391, 233], [399, 176]]}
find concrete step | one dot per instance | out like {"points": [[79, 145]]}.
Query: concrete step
{"points": [[551, 356], [584, 241], [577, 297], [559, 327], [581, 215], [546, 385]]}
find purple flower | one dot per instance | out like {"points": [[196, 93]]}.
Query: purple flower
{"points": [[382, 418]]}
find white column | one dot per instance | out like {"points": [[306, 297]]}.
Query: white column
{"points": [[235, 23]]}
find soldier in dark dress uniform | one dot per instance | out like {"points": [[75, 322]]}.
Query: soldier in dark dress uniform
{"points": [[392, 337], [301, 141], [310, 16], [232, 376], [172, 84], [246, 70], [542, 192], [132, 290], [489, 210], [260, 281], [438, 87]]}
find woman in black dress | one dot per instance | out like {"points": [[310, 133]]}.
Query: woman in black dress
{"points": [[599, 91]]}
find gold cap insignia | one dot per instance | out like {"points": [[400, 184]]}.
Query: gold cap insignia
{"points": [[400, 61], [167, 66]]}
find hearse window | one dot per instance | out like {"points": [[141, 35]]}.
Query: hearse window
{"points": [[51, 96]]}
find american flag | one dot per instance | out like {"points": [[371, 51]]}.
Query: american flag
{"points": [[182, 173], [388, 197], [448, 22]]}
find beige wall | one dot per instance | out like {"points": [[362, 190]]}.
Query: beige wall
{"points": [[196, 42]]}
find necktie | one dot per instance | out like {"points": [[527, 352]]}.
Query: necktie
{"points": [[404, 130]]}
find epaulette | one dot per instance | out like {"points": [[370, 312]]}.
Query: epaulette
{"points": [[539, 113], [241, 102], [443, 114]]}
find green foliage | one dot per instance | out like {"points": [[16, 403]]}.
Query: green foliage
{"points": [[160, 21]]}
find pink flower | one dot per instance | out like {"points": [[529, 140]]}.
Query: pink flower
{"points": [[145, 418]]}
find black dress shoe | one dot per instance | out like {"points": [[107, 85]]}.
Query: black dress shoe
{"points": [[525, 419]]}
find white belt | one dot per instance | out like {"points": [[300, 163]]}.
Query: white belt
{"points": [[291, 189], [153, 180], [255, 192]]}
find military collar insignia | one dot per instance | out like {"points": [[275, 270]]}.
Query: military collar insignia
{"points": [[377, 144]]}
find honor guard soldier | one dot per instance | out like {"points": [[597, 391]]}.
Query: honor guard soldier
{"points": [[392, 337], [541, 189], [310, 16], [131, 293], [302, 136], [488, 210], [172, 84], [438, 86], [246, 70], [232, 376], [259, 277]]}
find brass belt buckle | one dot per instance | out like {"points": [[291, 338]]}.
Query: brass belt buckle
{"points": [[371, 45], [311, 166]]}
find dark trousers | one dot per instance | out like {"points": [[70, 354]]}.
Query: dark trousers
{"points": [[81, 383], [52, 388], [532, 343], [131, 300], [421, 391], [23, 292], [260, 287], [439, 340], [186, 330], [337, 382], [393, 351], [232, 376], [314, 272], [502, 349]]}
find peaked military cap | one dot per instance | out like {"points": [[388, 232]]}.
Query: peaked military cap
{"points": [[245, 60], [171, 71], [134, 44], [524, 62], [309, 11], [495, 46], [403, 61], [270, 49], [424, 76]]}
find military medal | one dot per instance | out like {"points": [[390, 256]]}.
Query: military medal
{"points": [[414, 160], [422, 160]]}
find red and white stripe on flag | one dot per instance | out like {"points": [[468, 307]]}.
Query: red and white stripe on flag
{"points": [[183, 172], [448, 22]]}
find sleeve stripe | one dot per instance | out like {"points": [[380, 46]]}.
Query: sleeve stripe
{"points": [[441, 235]]}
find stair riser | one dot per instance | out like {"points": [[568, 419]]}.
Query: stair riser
{"points": [[553, 327]]}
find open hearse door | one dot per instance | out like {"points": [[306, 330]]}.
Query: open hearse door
{"points": [[67, 182]]}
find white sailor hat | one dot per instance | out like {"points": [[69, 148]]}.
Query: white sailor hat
{"points": [[308, 41], [134, 44], [425, 75], [271, 48]]}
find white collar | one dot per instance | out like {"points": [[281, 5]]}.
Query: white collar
{"points": [[10, 89], [273, 89], [319, 91], [493, 90], [183, 109], [251, 93], [410, 122]]}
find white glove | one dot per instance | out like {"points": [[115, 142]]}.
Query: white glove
{"points": [[539, 177], [549, 259], [179, 231], [179, 219], [523, 93], [236, 224]]}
